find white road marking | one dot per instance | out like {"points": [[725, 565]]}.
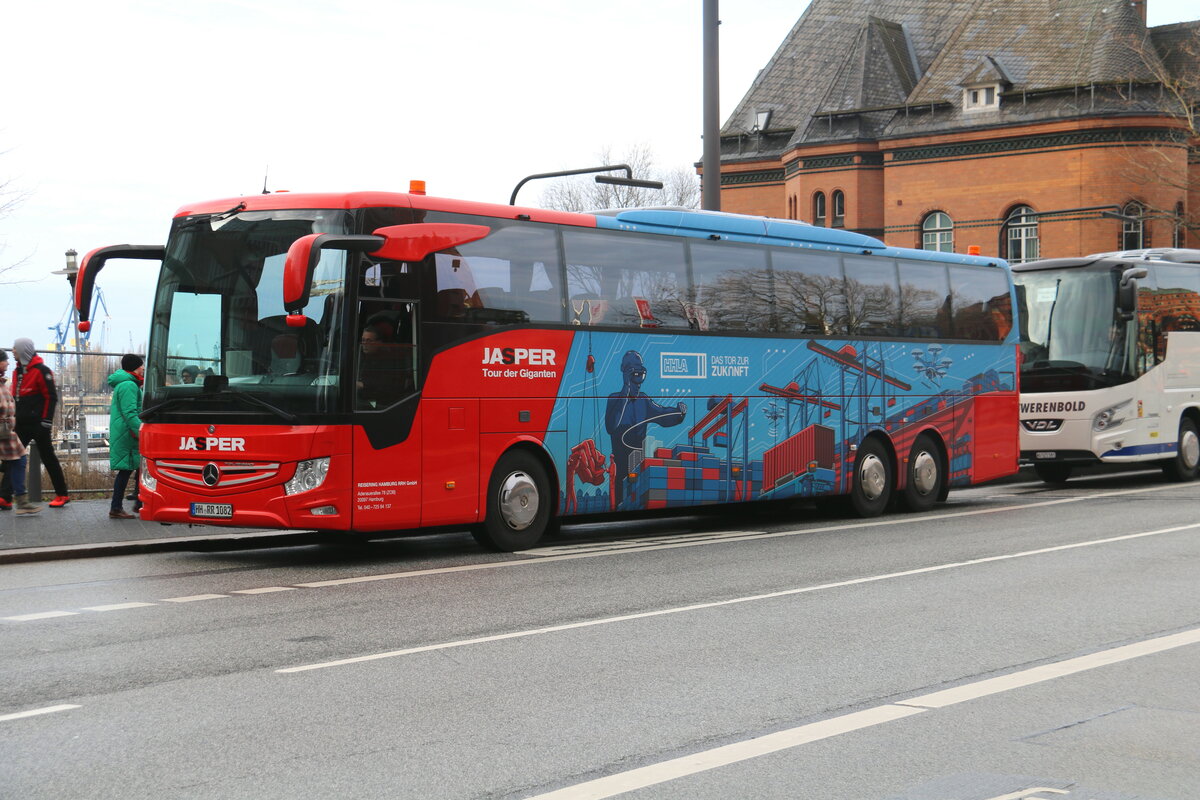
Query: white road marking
{"points": [[193, 598], [42, 615], [654, 774], [265, 590], [36, 712], [1028, 677], [731, 601], [607, 549], [117, 607]]}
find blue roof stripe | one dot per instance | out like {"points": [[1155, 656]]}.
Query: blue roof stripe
{"points": [[768, 231]]}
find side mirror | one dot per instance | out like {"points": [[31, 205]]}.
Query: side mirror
{"points": [[395, 242], [1127, 291], [84, 281]]}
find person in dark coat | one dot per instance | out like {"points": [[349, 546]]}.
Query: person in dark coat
{"points": [[36, 396], [123, 426]]}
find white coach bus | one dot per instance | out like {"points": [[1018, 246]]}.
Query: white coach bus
{"points": [[1110, 361]]}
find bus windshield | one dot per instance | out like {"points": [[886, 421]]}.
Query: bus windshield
{"points": [[219, 336], [1072, 337]]}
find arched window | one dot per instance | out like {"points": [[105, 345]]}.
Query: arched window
{"points": [[819, 209], [839, 209], [1133, 233], [937, 232], [1021, 234]]}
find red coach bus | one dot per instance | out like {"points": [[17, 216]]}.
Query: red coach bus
{"points": [[376, 362]]}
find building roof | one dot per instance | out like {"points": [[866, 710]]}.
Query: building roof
{"points": [[855, 69]]}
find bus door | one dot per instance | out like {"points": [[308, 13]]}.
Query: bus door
{"points": [[387, 432]]}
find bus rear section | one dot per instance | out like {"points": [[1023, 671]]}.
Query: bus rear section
{"points": [[1110, 369]]}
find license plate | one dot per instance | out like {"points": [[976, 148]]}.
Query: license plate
{"points": [[213, 510], [1044, 454]]}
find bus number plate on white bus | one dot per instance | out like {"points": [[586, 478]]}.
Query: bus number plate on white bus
{"points": [[1046, 454], [213, 510]]}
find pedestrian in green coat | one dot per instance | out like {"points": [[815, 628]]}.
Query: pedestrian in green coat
{"points": [[123, 425]]}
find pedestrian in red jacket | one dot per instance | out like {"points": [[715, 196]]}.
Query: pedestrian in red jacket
{"points": [[36, 398]]}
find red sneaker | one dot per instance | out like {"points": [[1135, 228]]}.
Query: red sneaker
{"points": [[5, 505], [59, 501]]}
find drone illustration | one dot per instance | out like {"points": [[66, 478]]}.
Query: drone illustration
{"points": [[774, 413], [929, 364]]}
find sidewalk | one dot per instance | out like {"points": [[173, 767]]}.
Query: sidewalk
{"points": [[82, 528]]}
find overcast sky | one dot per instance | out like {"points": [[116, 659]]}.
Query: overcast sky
{"points": [[117, 113]]}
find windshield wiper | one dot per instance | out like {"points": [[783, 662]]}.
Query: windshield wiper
{"points": [[148, 412], [248, 399], [189, 223], [286, 416]]}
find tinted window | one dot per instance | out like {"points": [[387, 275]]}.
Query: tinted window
{"points": [[872, 296], [732, 288], [809, 294], [511, 276], [623, 280], [1172, 305], [980, 303], [924, 300]]}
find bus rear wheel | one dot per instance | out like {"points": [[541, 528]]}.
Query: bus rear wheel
{"points": [[1186, 464], [873, 481], [926, 475], [518, 504]]}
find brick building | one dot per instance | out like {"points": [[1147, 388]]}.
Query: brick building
{"points": [[941, 124]]}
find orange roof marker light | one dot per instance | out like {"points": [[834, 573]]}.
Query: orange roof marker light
{"points": [[972, 249], [416, 187]]}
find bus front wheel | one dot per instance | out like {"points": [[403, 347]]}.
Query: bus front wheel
{"points": [[518, 504], [1186, 464], [1053, 473], [873, 482], [926, 476]]}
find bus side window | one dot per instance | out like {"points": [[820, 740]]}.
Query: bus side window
{"points": [[980, 303]]}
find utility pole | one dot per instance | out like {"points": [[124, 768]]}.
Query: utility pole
{"points": [[710, 188]]}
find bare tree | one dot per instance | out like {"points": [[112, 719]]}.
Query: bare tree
{"points": [[1171, 59], [10, 198], [681, 186]]}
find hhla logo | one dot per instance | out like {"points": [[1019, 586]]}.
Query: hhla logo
{"points": [[518, 355], [226, 443]]}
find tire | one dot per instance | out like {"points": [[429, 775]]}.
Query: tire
{"points": [[926, 478], [873, 480], [518, 504], [1185, 466], [1053, 473]]}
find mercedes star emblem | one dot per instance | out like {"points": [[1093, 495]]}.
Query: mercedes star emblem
{"points": [[211, 474]]}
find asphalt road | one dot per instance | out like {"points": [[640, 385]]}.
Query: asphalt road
{"points": [[1019, 642]]}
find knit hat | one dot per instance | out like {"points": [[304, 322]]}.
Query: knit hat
{"points": [[130, 362], [24, 350]]}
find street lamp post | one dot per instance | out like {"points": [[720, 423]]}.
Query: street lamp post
{"points": [[72, 271]]}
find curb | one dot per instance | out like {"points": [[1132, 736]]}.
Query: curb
{"points": [[228, 541]]}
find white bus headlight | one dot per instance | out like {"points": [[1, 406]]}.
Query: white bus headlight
{"points": [[1109, 417], [309, 475], [146, 479]]}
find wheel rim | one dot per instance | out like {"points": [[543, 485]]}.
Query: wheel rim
{"points": [[925, 473], [1189, 449], [518, 501], [872, 477]]}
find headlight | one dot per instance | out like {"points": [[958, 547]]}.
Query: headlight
{"points": [[309, 475], [146, 479], [1109, 417]]}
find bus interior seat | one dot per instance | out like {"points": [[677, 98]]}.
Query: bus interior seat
{"points": [[451, 305], [278, 346]]}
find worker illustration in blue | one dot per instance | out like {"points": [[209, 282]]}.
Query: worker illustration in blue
{"points": [[628, 415]]}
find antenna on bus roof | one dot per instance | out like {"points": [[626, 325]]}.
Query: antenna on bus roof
{"points": [[266, 171]]}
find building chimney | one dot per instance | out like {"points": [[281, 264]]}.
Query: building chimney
{"points": [[1140, 7]]}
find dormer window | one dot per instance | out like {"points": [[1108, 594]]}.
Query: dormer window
{"points": [[981, 98]]}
